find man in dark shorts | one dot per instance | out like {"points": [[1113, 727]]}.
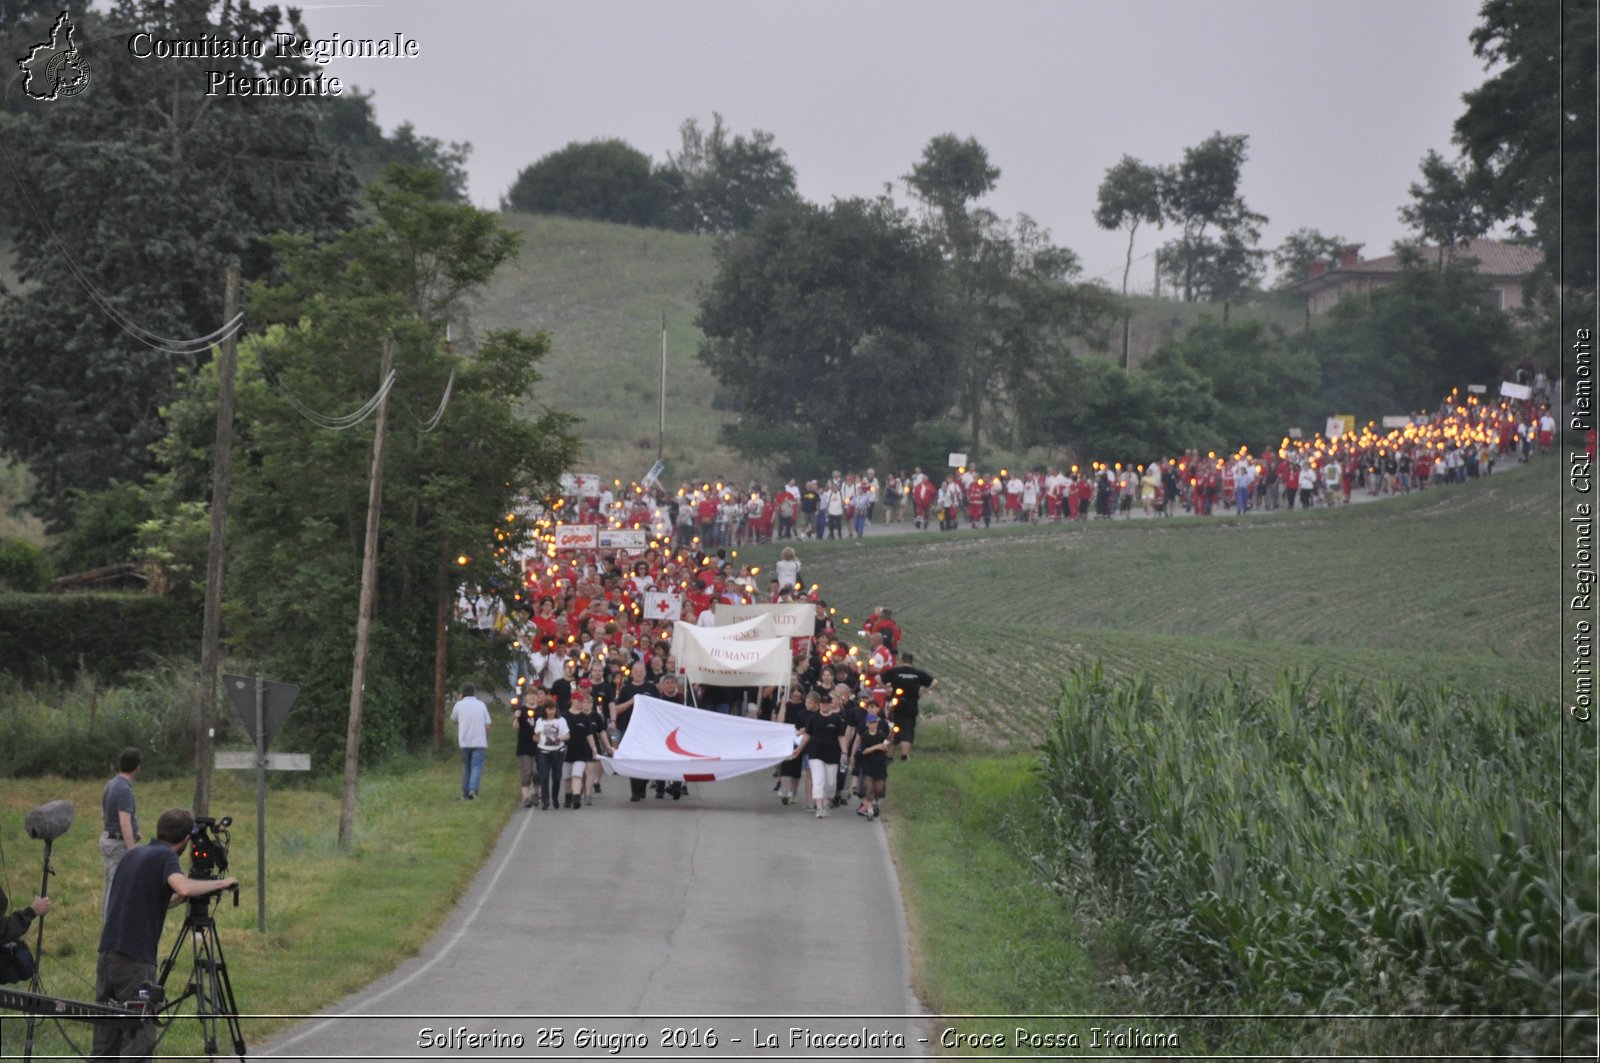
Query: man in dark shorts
{"points": [[147, 883], [906, 684]]}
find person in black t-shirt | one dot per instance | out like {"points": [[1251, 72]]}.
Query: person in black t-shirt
{"points": [[874, 742], [669, 689], [622, 712], [906, 684], [147, 882], [525, 709], [795, 713], [823, 747], [585, 741]]}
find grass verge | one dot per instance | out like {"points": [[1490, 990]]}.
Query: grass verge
{"points": [[335, 920], [988, 936]]}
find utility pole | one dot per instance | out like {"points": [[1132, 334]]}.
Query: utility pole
{"points": [[369, 580], [211, 628], [661, 414]]}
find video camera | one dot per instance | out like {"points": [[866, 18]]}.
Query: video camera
{"points": [[208, 846]]}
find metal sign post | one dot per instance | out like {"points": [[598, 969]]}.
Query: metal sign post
{"points": [[261, 706]]}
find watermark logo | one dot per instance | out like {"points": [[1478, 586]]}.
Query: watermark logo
{"points": [[55, 69]]}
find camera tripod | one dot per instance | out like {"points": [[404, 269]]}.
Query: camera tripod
{"points": [[208, 978]]}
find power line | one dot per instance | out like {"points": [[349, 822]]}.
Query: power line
{"points": [[153, 340]]}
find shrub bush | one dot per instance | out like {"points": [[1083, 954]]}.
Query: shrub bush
{"points": [[57, 636], [76, 729], [23, 566]]}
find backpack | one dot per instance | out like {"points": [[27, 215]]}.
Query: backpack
{"points": [[16, 963]]}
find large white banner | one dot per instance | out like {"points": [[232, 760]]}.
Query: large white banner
{"points": [[713, 658], [677, 743], [757, 627], [795, 620]]}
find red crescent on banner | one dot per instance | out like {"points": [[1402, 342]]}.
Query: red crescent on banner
{"points": [[672, 744]]}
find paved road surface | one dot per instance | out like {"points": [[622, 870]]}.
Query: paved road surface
{"points": [[696, 914]]}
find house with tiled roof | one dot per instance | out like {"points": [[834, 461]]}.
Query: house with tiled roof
{"points": [[1501, 265]]}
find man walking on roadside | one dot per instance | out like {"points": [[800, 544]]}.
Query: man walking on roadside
{"points": [[472, 735], [120, 819]]}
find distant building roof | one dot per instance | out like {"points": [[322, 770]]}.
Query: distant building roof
{"points": [[1495, 258]]}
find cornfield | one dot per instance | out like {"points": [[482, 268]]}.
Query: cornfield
{"points": [[1404, 864]]}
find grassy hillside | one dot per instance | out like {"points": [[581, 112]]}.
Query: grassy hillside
{"points": [[1454, 585], [599, 290]]}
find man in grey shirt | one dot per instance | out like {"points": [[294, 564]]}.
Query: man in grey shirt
{"points": [[119, 819]]}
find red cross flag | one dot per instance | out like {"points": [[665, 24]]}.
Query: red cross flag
{"points": [[659, 605]]}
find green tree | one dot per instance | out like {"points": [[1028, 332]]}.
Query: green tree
{"points": [[952, 174], [1529, 130], [1261, 384], [1103, 412], [1410, 343], [132, 200], [1129, 196], [1201, 195], [299, 492], [1302, 249], [1015, 302], [607, 180], [719, 183], [829, 325], [1447, 207], [349, 122]]}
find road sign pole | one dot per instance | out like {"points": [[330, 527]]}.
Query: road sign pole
{"points": [[261, 805]]}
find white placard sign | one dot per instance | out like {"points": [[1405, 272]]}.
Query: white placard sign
{"points": [[1509, 390], [1399, 421], [957, 461], [1477, 389], [581, 484], [624, 539], [659, 605], [1334, 428], [576, 536]]}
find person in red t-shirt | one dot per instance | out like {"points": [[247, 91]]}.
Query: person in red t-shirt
{"points": [[922, 496]]}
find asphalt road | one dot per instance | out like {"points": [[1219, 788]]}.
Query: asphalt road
{"points": [[725, 917]]}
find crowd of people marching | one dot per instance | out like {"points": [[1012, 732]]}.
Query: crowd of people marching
{"points": [[583, 650], [1462, 440], [584, 647]]}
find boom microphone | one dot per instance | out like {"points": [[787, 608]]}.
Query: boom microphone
{"points": [[49, 821]]}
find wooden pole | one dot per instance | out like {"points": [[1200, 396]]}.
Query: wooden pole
{"points": [[211, 627], [661, 415], [369, 581], [441, 640]]}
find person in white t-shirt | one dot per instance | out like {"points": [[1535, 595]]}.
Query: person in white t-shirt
{"points": [[471, 717]]}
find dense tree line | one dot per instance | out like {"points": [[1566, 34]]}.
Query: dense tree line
{"points": [[717, 182]]}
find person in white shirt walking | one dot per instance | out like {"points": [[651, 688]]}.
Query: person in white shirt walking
{"points": [[471, 716]]}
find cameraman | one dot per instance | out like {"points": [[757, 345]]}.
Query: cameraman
{"points": [[148, 882]]}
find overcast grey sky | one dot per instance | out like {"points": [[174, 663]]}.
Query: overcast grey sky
{"points": [[1340, 98]]}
